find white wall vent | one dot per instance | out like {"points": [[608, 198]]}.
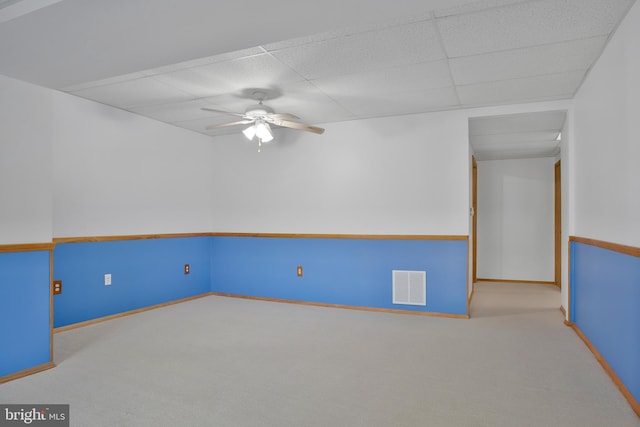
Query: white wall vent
{"points": [[409, 287]]}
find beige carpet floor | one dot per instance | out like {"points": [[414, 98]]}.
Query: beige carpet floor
{"points": [[221, 361]]}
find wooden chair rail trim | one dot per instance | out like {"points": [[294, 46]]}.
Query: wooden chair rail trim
{"points": [[26, 247], [88, 239], [623, 249], [347, 236], [84, 239]]}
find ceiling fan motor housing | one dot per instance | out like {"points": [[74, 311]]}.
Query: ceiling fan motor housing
{"points": [[258, 110]]}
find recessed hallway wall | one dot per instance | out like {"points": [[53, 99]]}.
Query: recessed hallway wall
{"points": [[515, 219]]}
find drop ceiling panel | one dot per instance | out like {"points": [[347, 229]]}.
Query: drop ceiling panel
{"points": [[374, 105], [200, 125], [175, 112], [529, 24], [499, 52], [228, 56], [533, 61], [196, 82], [311, 104], [228, 76], [517, 123], [131, 93], [481, 141], [550, 87], [105, 82], [475, 7], [300, 98], [417, 77], [515, 154], [546, 146], [516, 135], [412, 43]]}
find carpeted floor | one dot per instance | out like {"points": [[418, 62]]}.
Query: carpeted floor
{"points": [[221, 361]]}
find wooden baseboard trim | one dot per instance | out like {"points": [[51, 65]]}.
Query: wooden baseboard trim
{"points": [[473, 291], [528, 282], [126, 313], [563, 311], [27, 372], [635, 405], [346, 307]]}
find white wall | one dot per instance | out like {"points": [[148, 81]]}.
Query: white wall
{"points": [[25, 163], [566, 171], [72, 167], [95, 170], [515, 219], [118, 173], [400, 175], [607, 141]]}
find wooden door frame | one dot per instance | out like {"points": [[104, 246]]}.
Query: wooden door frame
{"points": [[557, 179], [474, 205]]}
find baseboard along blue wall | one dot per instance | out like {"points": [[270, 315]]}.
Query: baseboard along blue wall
{"points": [[143, 273], [605, 298], [24, 311], [355, 272]]}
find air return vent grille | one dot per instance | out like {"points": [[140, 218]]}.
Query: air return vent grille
{"points": [[409, 287]]}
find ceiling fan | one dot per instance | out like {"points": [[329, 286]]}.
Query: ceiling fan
{"points": [[261, 117]]}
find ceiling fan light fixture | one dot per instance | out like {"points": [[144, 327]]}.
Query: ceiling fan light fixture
{"points": [[250, 132], [263, 131]]}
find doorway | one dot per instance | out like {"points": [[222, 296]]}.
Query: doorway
{"points": [[516, 224]]}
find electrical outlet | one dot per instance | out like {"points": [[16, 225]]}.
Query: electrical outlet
{"points": [[107, 279], [299, 271], [187, 269], [57, 287]]}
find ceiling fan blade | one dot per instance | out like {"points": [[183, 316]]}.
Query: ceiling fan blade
{"points": [[223, 112], [224, 125], [281, 116], [299, 126]]}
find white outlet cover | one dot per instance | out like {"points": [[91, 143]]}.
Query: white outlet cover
{"points": [[107, 279]]}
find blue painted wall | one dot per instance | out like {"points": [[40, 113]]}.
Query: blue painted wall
{"points": [[605, 301], [144, 273], [24, 311], [353, 272]]}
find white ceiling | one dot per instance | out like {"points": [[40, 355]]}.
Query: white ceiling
{"points": [[324, 62]]}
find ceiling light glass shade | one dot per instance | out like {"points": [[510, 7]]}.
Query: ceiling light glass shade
{"points": [[263, 131], [250, 132]]}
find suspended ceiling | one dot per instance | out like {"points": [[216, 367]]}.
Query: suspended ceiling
{"points": [[324, 62]]}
